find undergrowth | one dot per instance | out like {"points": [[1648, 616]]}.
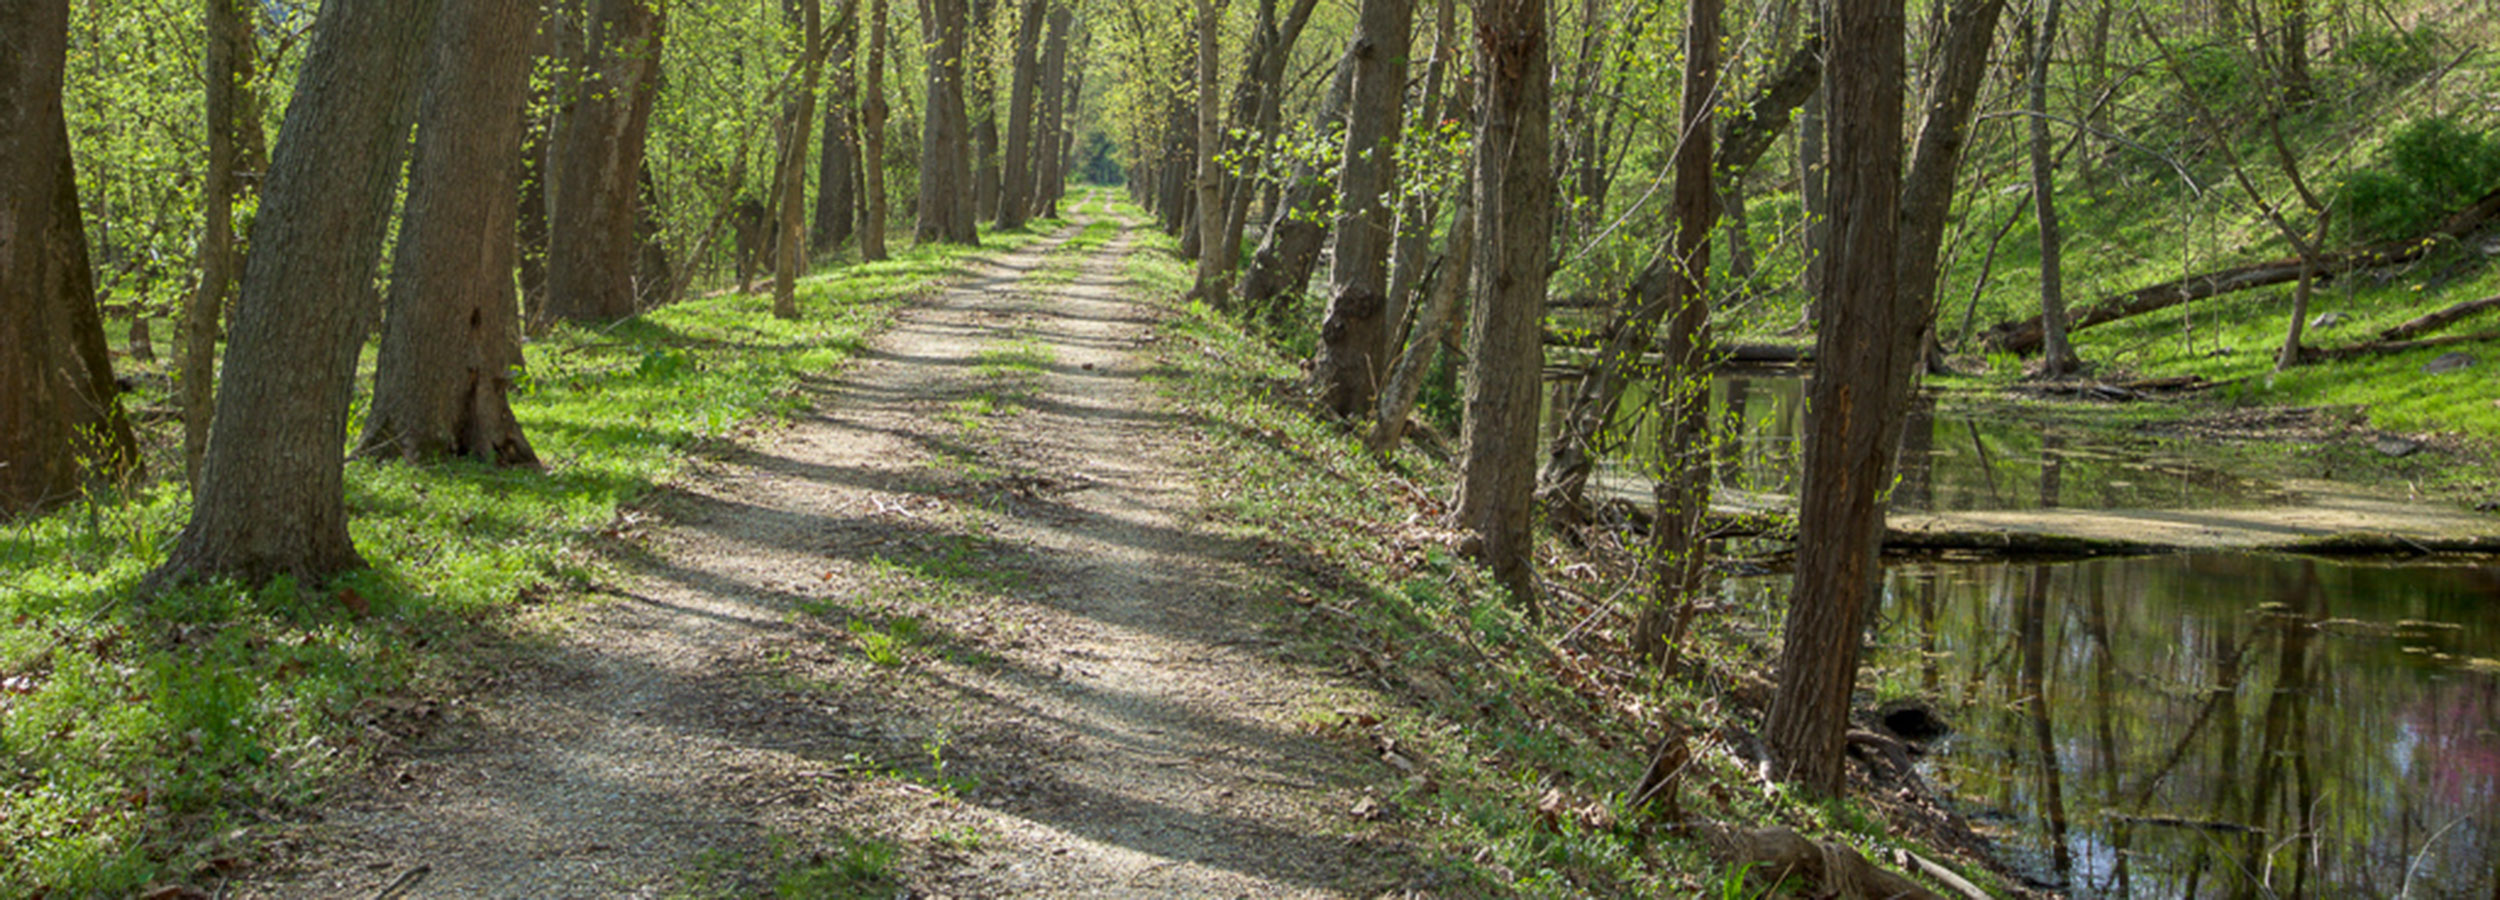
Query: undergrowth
{"points": [[1517, 738], [146, 739]]}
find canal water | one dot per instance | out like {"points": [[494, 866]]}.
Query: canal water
{"points": [[2215, 725], [2207, 725]]}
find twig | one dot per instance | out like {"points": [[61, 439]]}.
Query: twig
{"points": [[404, 883]]}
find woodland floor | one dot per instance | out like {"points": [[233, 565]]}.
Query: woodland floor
{"points": [[961, 615]]}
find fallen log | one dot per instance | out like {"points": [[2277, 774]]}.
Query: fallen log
{"points": [[1779, 854], [2024, 335], [2441, 319], [2375, 348]]}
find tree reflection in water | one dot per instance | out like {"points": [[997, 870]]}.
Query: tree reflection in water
{"points": [[2217, 725]]}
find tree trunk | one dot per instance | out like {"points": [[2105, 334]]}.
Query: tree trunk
{"points": [[272, 496], [1015, 191], [1053, 92], [1354, 332], [1054, 182], [450, 342], [594, 173], [837, 163], [1677, 537], [229, 58], [872, 115], [1927, 194], [1215, 260], [1406, 379], [61, 423], [945, 132], [2059, 361], [1282, 266], [1262, 88], [1812, 193], [1412, 236], [790, 246], [1866, 353], [982, 95], [1515, 206], [537, 143]]}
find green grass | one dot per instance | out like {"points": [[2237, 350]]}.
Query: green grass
{"points": [[1494, 708], [141, 736]]}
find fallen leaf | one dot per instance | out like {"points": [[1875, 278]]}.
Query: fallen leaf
{"points": [[355, 602]]}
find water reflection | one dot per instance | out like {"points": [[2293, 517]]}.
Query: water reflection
{"points": [[2216, 726], [1949, 461]]}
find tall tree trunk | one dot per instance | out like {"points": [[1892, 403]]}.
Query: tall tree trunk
{"points": [[2058, 360], [1677, 538], [790, 246], [1865, 354], [837, 163], [594, 173], [450, 342], [61, 423], [1406, 379], [1281, 268], [945, 132], [1412, 236], [1261, 90], [1215, 260], [1054, 182], [1515, 209], [552, 45], [981, 85], [1354, 332], [872, 115], [272, 494], [1053, 93], [1927, 194], [1015, 190], [1813, 192], [229, 60]]}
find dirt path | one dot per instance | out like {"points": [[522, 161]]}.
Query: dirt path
{"points": [[954, 636]]}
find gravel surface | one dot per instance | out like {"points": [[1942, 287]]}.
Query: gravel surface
{"points": [[962, 613]]}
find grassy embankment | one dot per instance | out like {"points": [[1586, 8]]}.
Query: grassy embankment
{"points": [[1524, 735], [145, 737]]}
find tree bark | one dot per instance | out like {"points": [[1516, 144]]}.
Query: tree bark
{"points": [[1015, 191], [1215, 260], [790, 246], [1046, 139], [537, 144], [61, 423], [1515, 206], [594, 172], [1867, 351], [872, 115], [228, 73], [1927, 194], [1411, 238], [980, 84], [450, 342], [945, 133], [1282, 266], [1354, 332], [1257, 104], [272, 497], [2058, 360], [1406, 379], [1678, 540], [837, 163]]}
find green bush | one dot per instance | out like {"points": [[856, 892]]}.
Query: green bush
{"points": [[2389, 55], [2428, 168]]}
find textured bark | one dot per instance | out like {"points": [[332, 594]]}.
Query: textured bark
{"points": [[450, 342], [1677, 537], [1515, 209], [1406, 379], [945, 205], [1866, 352], [1927, 192], [1354, 331], [980, 86], [61, 425], [1046, 139], [872, 115], [790, 244], [272, 497], [2059, 359], [1282, 266], [228, 73], [1215, 260], [1015, 190], [837, 163], [595, 166]]}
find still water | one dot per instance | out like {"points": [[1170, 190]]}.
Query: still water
{"points": [[2220, 725], [1949, 461]]}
